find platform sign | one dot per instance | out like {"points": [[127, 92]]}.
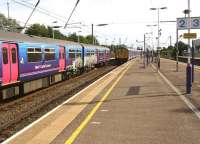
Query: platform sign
{"points": [[190, 35], [183, 23]]}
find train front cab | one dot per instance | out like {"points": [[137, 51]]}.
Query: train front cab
{"points": [[9, 65]]}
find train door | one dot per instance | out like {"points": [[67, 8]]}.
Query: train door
{"points": [[97, 55], [61, 58], [83, 56], [9, 63]]}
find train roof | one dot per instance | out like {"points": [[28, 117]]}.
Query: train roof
{"points": [[125, 48], [18, 37], [93, 46]]}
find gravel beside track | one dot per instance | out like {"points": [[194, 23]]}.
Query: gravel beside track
{"points": [[19, 113]]}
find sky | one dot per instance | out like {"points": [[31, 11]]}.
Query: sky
{"points": [[126, 19]]}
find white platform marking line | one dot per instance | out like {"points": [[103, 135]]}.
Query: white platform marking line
{"points": [[95, 123], [50, 112], [188, 103], [104, 110]]}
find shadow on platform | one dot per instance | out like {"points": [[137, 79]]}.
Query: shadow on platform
{"points": [[130, 97]]}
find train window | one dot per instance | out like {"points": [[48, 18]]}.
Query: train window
{"points": [[71, 50], [5, 56], [49, 54], [78, 55], [34, 54], [61, 55], [101, 54], [38, 50], [30, 49], [13, 55], [88, 54], [72, 56]]}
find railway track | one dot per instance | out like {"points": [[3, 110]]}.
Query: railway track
{"points": [[17, 114]]}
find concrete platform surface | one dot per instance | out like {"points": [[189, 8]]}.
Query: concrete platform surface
{"points": [[168, 68], [132, 105], [141, 109]]}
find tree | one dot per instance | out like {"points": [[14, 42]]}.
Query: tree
{"points": [[37, 30], [87, 39], [170, 52], [9, 24], [59, 35], [73, 37], [181, 47], [43, 31]]}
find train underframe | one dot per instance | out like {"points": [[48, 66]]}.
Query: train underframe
{"points": [[16, 90]]}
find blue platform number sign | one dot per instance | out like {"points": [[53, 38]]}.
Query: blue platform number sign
{"points": [[183, 23], [196, 23]]}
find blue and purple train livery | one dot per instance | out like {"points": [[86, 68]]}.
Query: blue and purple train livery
{"points": [[25, 58]]}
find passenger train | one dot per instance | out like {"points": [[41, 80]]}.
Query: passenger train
{"points": [[28, 63]]}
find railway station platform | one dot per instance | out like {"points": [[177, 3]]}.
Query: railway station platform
{"points": [[129, 105], [178, 79]]}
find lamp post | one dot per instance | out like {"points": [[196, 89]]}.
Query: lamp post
{"points": [[8, 8], [152, 39], [79, 36], [146, 52], [54, 26], [177, 39], [54, 22], [93, 31], [106, 41], [158, 44], [139, 47]]}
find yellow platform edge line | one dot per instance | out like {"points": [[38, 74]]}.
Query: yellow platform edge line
{"points": [[75, 134]]}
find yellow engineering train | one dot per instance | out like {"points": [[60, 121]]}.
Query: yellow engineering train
{"points": [[124, 54]]}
